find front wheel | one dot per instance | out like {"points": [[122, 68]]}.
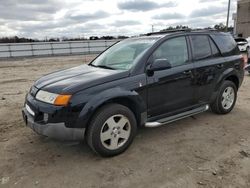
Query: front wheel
{"points": [[225, 99], [111, 130]]}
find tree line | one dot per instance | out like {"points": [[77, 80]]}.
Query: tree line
{"points": [[219, 27], [16, 39]]}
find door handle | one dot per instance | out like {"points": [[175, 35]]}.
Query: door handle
{"points": [[220, 66], [187, 72]]}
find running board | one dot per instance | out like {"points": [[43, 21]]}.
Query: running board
{"points": [[177, 117]]}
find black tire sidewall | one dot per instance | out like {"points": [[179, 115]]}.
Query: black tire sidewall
{"points": [[96, 125], [219, 99]]}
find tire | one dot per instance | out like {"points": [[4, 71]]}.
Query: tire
{"points": [[111, 130], [223, 105]]}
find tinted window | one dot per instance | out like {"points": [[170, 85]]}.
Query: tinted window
{"points": [[174, 50], [214, 48], [240, 40], [226, 44], [200, 47]]}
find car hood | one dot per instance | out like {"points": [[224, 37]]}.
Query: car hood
{"points": [[77, 78]]}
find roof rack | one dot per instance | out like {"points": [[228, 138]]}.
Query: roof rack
{"points": [[179, 30], [204, 30]]}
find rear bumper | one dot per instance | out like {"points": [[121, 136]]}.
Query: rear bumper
{"points": [[242, 48], [53, 130], [247, 67]]}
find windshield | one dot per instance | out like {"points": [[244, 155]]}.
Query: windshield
{"points": [[123, 55]]}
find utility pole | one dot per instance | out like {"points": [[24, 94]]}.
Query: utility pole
{"points": [[228, 12], [152, 28]]}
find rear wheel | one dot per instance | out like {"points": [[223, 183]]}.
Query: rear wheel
{"points": [[225, 99], [111, 130]]}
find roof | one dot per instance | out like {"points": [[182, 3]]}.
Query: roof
{"points": [[161, 34]]}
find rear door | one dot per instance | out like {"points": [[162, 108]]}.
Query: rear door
{"points": [[208, 63]]}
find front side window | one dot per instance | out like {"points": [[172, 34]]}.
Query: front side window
{"points": [[174, 50], [200, 47]]}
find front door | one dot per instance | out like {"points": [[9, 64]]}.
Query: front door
{"points": [[172, 89]]}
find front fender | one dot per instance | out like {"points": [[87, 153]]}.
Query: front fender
{"points": [[99, 99]]}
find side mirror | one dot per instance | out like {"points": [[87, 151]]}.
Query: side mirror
{"points": [[160, 64]]}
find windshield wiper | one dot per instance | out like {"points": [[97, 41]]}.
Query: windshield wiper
{"points": [[102, 66]]}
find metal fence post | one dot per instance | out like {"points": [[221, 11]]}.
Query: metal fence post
{"points": [[9, 50], [70, 48], [105, 44], [32, 50], [88, 48], [52, 51]]}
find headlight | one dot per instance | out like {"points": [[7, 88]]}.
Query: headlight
{"points": [[53, 98]]}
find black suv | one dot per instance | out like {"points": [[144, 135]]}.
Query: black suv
{"points": [[143, 81]]}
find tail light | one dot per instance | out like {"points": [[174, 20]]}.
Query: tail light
{"points": [[244, 60]]}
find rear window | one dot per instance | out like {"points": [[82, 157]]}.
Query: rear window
{"points": [[226, 44], [240, 40]]}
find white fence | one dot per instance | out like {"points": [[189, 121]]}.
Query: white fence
{"points": [[8, 50]]}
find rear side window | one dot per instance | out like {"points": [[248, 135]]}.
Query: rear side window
{"points": [[214, 48], [226, 44], [200, 47]]}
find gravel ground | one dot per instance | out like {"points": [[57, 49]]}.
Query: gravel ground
{"points": [[207, 150]]}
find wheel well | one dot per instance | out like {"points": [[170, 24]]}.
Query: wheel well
{"points": [[233, 79], [122, 101]]}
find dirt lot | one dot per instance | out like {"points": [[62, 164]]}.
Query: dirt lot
{"points": [[207, 150]]}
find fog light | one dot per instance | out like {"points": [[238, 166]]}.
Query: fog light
{"points": [[45, 117]]}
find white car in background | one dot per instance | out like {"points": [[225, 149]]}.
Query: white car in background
{"points": [[248, 40], [243, 44], [248, 53]]}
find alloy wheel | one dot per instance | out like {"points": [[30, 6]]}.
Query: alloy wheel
{"points": [[228, 97], [115, 132]]}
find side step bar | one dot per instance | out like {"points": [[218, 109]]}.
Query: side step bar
{"points": [[177, 117]]}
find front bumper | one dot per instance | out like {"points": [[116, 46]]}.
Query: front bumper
{"points": [[53, 130]]}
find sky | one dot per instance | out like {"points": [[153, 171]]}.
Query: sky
{"points": [[83, 18]]}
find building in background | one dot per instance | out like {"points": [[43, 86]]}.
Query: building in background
{"points": [[243, 18]]}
